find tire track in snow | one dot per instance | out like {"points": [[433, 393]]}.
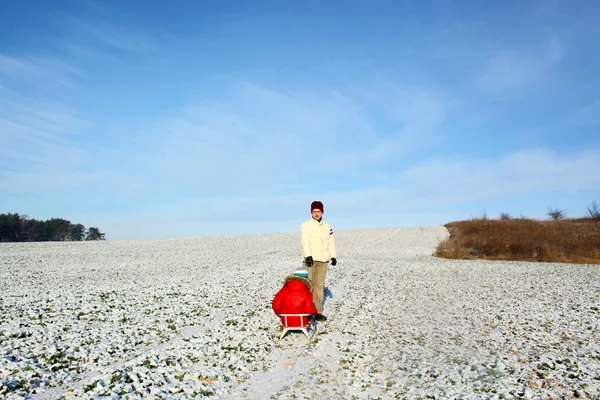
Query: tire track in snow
{"points": [[321, 365], [294, 353], [379, 239], [295, 356]]}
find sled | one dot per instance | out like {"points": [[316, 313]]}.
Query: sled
{"points": [[309, 330]]}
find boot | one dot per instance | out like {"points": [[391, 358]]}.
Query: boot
{"points": [[320, 317]]}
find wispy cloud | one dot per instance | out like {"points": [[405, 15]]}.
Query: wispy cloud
{"points": [[43, 129], [425, 193], [37, 124], [511, 70], [419, 113], [97, 33], [436, 184], [257, 141], [23, 150], [524, 172], [35, 70], [180, 128], [56, 182], [43, 118], [260, 137], [35, 131]]}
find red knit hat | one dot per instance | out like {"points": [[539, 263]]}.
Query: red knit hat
{"points": [[316, 205]]}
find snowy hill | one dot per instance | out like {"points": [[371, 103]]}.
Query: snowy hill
{"points": [[189, 317]]}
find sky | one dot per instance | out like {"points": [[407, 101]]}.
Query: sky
{"points": [[165, 119]]}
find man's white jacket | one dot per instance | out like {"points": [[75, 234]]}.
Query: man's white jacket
{"points": [[317, 240]]}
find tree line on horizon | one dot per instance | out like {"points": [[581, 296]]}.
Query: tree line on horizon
{"points": [[21, 228]]}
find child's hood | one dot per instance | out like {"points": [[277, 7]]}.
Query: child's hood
{"points": [[297, 283]]}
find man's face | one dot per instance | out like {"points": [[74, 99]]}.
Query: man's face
{"points": [[317, 214]]}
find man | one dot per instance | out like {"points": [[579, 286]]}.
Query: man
{"points": [[318, 248]]}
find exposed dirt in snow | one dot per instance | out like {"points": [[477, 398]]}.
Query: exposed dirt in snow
{"points": [[191, 317]]}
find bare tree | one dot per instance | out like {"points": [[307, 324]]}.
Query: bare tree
{"points": [[594, 210], [556, 213], [505, 216]]}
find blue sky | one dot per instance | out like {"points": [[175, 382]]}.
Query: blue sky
{"points": [[184, 118]]}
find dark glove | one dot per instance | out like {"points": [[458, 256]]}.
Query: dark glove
{"points": [[333, 261], [309, 261]]}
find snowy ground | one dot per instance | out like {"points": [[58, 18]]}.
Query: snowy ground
{"points": [[190, 317]]}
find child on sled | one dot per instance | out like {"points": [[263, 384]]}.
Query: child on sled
{"points": [[295, 297]]}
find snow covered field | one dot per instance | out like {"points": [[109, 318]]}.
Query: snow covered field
{"points": [[190, 317]]}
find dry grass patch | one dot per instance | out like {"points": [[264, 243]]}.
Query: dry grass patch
{"points": [[562, 240]]}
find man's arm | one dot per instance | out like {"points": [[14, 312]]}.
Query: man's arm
{"points": [[332, 251], [305, 240]]}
